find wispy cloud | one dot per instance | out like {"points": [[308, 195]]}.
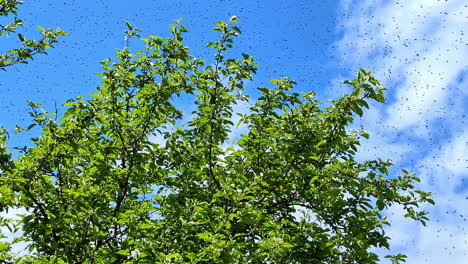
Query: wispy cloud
{"points": [[418, 49]]}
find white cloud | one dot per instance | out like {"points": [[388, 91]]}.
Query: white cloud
{"points": [[418, 45], [446, 237], [418, 50], [446, 167]]}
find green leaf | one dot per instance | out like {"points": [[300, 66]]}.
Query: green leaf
{"points": [[380, 204], [123, 252], [233, 19], [211, 44], [129, 25], [145, 226], [358, 110], [172, 255]]}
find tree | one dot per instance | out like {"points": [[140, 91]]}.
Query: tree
{"points": [[29, 47], [100, 189]]}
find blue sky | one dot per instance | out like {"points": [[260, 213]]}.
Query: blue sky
{"points": [[418, 50]]}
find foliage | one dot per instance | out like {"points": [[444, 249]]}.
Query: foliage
{"points": [[100, 189], [29, 47]]}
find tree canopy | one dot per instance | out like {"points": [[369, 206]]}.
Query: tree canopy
{"points": [[29, 47], [99, 188]]}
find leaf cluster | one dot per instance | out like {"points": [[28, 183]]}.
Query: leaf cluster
{"points": [[29, 47]]}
